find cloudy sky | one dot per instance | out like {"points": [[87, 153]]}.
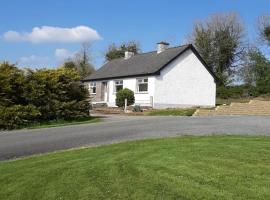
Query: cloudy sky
{"points": [[37, 33]]}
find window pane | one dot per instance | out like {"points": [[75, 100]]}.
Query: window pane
{"points": [[94, 90], [143, 87], [118, 87], [145, 80]]}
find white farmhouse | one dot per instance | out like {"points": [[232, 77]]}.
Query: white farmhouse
{"points": [[165, 78]]}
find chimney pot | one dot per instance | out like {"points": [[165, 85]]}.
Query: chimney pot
{"points": [[162, 46], [128, 54]]}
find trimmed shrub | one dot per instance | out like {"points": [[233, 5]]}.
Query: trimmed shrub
{"points": [[124, 94]]}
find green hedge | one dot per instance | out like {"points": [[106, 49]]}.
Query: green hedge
{"points": [[17, 116], [28, 96]]}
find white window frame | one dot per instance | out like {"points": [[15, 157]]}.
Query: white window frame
{"points": [[91, 86], [142, 81], [117, 83]]}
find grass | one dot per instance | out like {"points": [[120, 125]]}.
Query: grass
{"points": [[212, 167], [172, 112], [57, 123]]}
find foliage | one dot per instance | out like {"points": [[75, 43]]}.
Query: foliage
{"points": [[17, 116], [219, 40], [114, 51], [264, 28], [11, 85], [208, 167], [125, 94], [172, 112], [81, 62], [57, 93], [137, 108], [239, 91], [52, 93], [256, 72]]}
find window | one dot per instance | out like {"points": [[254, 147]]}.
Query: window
{"points": [[93, 88], [118, 85], [142, 84]]}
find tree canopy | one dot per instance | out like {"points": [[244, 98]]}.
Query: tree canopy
{"points": [[81, 61], [264, 28], [219, 40], [115, 51]]}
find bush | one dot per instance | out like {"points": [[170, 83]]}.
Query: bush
{"points": [[234, 92], [137, 108], [28, 96], [124, 94], [17, 116]]}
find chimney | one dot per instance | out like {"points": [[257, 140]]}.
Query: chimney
{"points": [[162, 46], [128, 54]]}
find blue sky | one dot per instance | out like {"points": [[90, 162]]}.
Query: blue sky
{"points": [[104, 22]]}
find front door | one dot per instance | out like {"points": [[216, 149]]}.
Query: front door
{"points": [[104, 92]]}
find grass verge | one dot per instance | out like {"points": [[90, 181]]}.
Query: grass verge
{"points": [[57, 123], [172, 112], [212, 167]]}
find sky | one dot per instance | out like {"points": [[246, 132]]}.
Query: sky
{"points": [[36, 33]]}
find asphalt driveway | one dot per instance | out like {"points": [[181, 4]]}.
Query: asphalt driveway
{"points": [[28, 142]]}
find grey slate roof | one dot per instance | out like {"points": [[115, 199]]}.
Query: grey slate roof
{"points": [[139, 65]]}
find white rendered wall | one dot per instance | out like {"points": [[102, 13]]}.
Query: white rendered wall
{"points": [[184, 83], [140, 98]]}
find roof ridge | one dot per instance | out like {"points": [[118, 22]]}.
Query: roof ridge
{"points": [[152, 51], [166, 49]]}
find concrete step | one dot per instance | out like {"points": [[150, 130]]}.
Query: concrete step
{"points": [[254, 107]]}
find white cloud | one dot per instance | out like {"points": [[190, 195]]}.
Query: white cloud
{"points": [[54, 34], [63, 54], [34, 61]]}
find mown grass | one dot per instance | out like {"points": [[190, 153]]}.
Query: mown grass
{"points": [[57, 123], [212, 167], [172, 112]]}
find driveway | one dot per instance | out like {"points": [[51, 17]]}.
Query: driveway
{"points": [[114, 129]]}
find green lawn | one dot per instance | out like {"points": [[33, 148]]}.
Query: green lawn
{"points": [[50, 124], [187, 168], [172, 112]]}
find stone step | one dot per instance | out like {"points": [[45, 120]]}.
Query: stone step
{"points": [[254, 107]]}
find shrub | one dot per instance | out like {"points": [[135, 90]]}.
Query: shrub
{"points": [[28, 96], [124, 94], [17, 116], [234, 92], [137, 108]]}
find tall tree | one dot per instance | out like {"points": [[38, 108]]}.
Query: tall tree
{"points": [[264, 28], [256, 71], [219, 39], [81, 61], [115, 51]]}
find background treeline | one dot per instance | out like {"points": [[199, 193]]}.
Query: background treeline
{"points": [[241, 65], [32, 96]]}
